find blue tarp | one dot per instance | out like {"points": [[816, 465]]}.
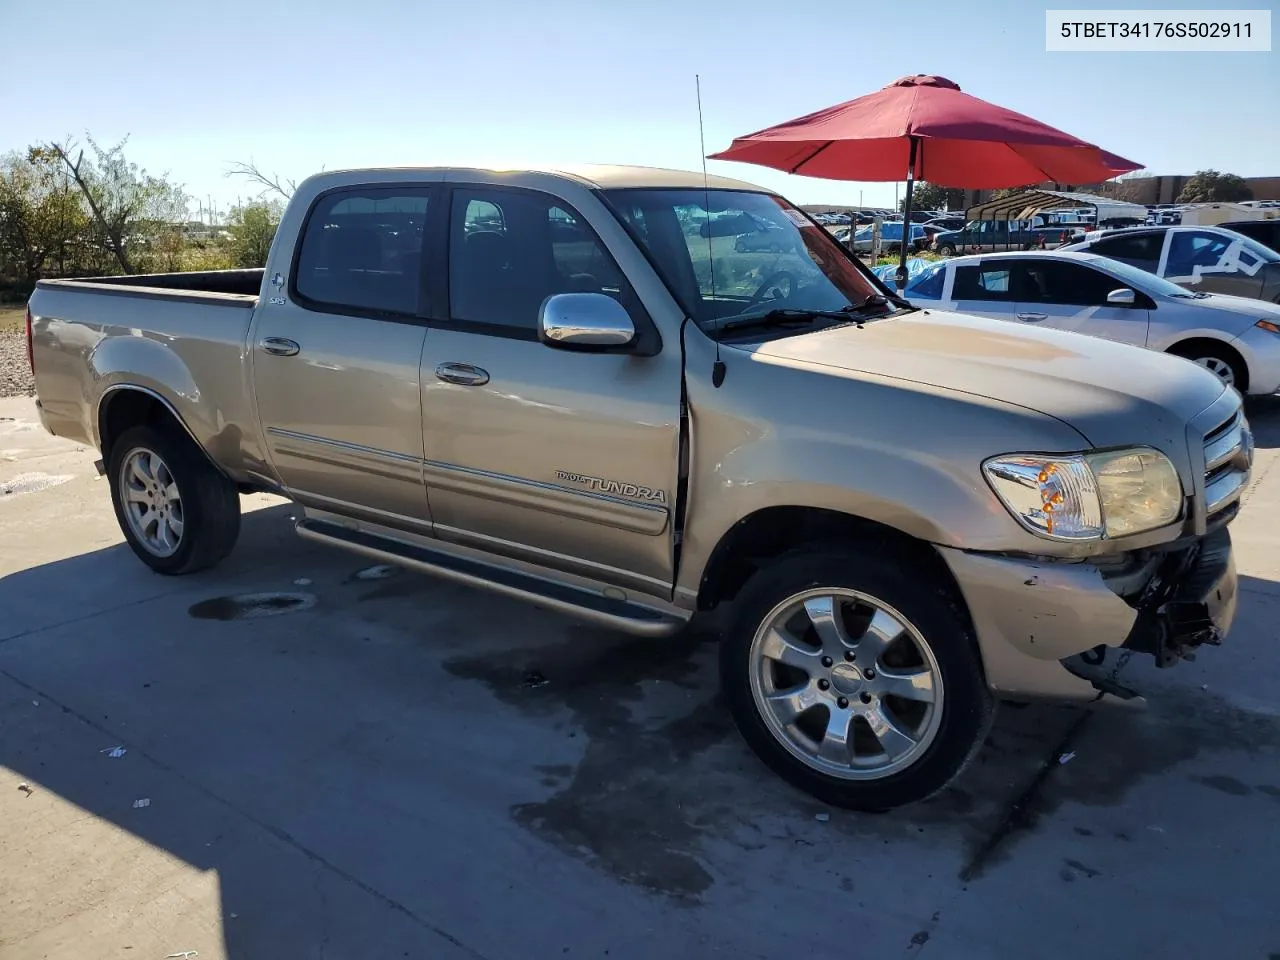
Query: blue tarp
{"points": [[888, 271]]}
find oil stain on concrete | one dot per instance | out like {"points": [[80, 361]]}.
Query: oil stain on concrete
{"points": [[251, 606]]}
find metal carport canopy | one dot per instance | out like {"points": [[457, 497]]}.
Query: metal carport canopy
{"points": [[1028, 203]]}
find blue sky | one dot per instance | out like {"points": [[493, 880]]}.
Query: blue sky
{"points": [[300, 86]]}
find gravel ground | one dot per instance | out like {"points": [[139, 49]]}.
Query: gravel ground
{"points": [[15, 375]]}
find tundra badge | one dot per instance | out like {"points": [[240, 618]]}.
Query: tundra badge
{"points": [[633, 490]]}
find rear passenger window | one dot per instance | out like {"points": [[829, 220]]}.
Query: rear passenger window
{"points": [[362, 251], [981, 283]]}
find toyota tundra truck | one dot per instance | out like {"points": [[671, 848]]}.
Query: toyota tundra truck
{"points": [[584, 389]]}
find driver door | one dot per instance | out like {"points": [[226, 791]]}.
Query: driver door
{"points": [[566, 459], [1073, 297]]}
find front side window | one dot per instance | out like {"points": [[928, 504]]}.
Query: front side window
{"points": [[1055, 281], [1190, 252], [361, 251], [511, 249], [1194, 252], [730, 254]]}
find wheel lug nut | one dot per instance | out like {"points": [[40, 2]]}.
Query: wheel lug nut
{"points": [[870, 674], [824, 684], [848, 655], [865, 698], [842, 702], [826, 661]]}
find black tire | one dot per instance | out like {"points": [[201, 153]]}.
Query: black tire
{"points": [[1199, 351], [922, 598], [947, 250], [210, 503]]}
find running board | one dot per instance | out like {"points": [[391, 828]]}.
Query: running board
{"points": [[605, 611]]}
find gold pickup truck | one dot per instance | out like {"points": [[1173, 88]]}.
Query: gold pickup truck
{"points": [[584, 388]]}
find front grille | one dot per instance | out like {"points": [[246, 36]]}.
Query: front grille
{"points": [[1228, 449]]}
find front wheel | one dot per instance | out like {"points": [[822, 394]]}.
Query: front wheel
{"points": [[176, 511], [853, 680], [947, 250]]}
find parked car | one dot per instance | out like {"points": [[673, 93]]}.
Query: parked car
{"points": [[986, 235], [1211, 259], [894, 515], [767, 237], [1266, 232], [891, 234], [1237, 339]]}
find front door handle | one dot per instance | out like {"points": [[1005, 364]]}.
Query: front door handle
{"points": [[465, 374], [280, 346], [1033, 317]]}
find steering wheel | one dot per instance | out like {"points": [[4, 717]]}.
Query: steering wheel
{"points": [[774, 283]]}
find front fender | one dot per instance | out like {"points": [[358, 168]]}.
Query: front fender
{"points": [[904, 455]]}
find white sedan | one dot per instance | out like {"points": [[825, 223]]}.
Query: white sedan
{"points": [[1237, 338]]}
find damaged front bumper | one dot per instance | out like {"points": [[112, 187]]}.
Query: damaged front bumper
{"points": [[1042, 624]]}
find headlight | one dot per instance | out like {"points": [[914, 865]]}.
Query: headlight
{"points": [[1088, 496]]}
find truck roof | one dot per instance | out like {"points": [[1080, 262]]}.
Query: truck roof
{"points": [[598, 175]]}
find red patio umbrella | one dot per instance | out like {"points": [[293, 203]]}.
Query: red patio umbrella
{"points": [[926, 126]]}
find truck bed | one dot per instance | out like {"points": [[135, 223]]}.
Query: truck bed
{"points": [[231, 285]]}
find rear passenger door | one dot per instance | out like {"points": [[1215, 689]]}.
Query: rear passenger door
{"points": [[565, 459], [335, 355]]}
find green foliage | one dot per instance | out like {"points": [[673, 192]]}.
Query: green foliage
{"points": [[928, 196], [1211, 186], [252, 228], [67, 211]]}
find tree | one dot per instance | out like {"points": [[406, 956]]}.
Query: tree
{"points": [[130, 207], [267, 183], [40, 218], [1210, 186], [253, 227], [926, 196]]}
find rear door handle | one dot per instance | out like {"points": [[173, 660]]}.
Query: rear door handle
{"points": [[1033, 317], [465, 374], [280, 346]]}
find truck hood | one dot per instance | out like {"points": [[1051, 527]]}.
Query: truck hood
{"points": [[1112, 393]]}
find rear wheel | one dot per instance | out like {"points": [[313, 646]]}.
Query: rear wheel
{"points": [[853, 680], [176, 511]]}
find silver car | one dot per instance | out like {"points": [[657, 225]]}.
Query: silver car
{"points": [[1238, 338]]}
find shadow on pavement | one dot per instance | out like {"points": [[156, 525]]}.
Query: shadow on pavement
{"points": [[401, 767], [1264, 419]]}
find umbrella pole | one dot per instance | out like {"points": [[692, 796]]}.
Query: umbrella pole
{"points": [[906, 217]]}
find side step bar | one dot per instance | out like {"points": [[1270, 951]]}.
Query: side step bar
{"points": [[605, 611]]}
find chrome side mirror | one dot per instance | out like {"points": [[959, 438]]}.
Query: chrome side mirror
{"points": [[584, 321], [1124, 297]]}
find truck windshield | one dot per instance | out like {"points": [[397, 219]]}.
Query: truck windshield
{"points": [[729, 254]]}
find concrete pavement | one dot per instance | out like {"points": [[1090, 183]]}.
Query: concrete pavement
{"points": [[395, 766]]}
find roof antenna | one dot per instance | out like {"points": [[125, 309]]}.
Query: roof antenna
{"points": [[717, 368]]}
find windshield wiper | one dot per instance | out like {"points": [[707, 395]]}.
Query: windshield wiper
{"points": [[783, 316], [877, 300]]}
